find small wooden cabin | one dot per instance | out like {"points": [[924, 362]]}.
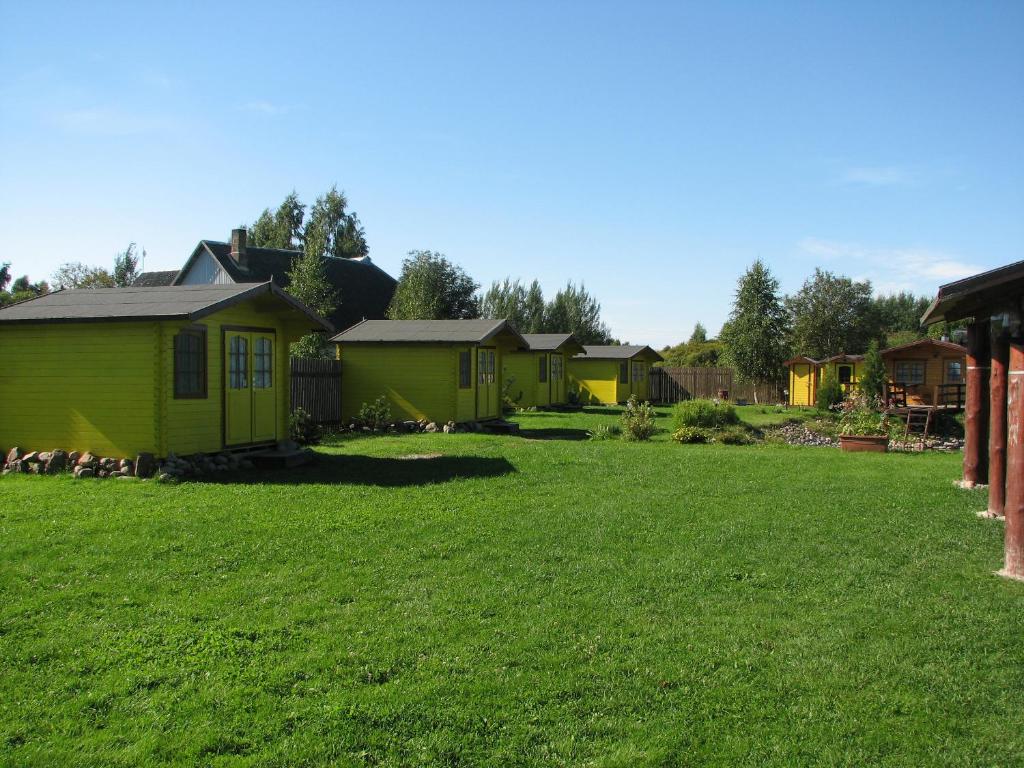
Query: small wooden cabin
{"points": [[803, 380], [927, 371], [438, 370], [610, 374], [536, 376], [120, 371]]}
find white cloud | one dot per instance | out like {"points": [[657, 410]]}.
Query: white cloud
{"points": [[878, 176], [265, 107], [106, 121], [893, 269]]}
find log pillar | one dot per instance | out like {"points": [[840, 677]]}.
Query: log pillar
{"points": [[997, 426], [976, 407], [1014, 506]]}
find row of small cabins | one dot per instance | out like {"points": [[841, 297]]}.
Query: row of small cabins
{"points": [[200, 368], [927, 372]]}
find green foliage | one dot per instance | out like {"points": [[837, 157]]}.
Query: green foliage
{"points": [[734, 436], [333, 231], [126, 266], [873, 375], [898, 338], [302, 428], [510, 394], [699, 335], [755, 334], [830, 391], [638, 420], [5, 276], [312, 345], [575, 311], [704, 413], [831, 314], [75, 274], [521, 305], [375, 416], [698, 352], [21, 289], [281, 229], [862, 415], [900, 314], [693, 435], [605, 432], [433, 288]]}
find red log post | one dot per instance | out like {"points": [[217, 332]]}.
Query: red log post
{"points": [[997, 427], [1014, 507], [976, 408]]}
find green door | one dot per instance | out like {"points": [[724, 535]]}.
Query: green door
{"points": [[486, 384], [557, 379], [250, 401]]}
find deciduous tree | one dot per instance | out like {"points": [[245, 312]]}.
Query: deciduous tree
{"points": [[755, 335], [75, 274], [126, 266], [831, 314], [433, 288]]}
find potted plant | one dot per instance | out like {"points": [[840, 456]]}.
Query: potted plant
{"points": [[863, 426]]}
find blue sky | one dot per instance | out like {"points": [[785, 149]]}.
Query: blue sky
{"points": [[649, 150]]}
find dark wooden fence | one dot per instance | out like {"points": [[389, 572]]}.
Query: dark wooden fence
{"points": [[316, 388], [670, 385]]}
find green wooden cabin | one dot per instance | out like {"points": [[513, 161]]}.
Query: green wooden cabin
{"points": [[537, 375], [120, 371], [610, 374], [438, 370]]}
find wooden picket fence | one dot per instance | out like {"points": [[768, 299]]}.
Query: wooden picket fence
{"points": [[316, 388], [670, 385]]}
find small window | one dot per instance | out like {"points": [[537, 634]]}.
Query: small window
{"points": [[263, 364], [481, 366], [909, 372], [238, 363], [465, 370], [638, 372], [623, 373], [490, 367], [954, 372], [543, 378], [845, 374], [556, 367], [190, 363]]}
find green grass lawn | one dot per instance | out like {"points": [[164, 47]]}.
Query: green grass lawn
{"points": [[535, 600]]}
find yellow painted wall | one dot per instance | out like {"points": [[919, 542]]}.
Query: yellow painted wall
{"points": [[109, 387], [79, 386], [597, 381], [419, 381], [801, 384], [638, 387], [934, 372], [193, 426], [525, 368]]}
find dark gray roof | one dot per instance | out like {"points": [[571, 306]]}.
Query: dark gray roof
{"points": [[549, 342], [426, 332], [982, 293], [365, 288], [617, 352], [155, 279], [190, 302]]}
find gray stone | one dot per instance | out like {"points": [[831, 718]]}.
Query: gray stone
{"points": [[58, 462], [14, 455], [73, 457], [32, 457], [104, 473], [81, 473], [431, 427], [44, 457], [87, 459], [145, 463]]}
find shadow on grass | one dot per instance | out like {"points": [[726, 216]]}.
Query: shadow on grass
{"points": [[553, 433], [388, 471]]}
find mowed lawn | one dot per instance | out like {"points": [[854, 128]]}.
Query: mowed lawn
{"points": [[536, 600]]}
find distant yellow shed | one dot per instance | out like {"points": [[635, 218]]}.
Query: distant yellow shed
{"points": [[610, 374], [536, 376]]}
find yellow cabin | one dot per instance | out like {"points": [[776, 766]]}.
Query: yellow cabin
{"points": [[121, 371], [927, 372], [536, 376], [610, 374], [438, 370]]}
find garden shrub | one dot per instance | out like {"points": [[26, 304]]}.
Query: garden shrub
{"points": [[638, 420], [302, 429], [830, 393], [376, 415], [705, 413], [692, 435], [605, 432], [734, 436]]}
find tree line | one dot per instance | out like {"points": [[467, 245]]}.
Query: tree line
{"points": [[72, 274]]}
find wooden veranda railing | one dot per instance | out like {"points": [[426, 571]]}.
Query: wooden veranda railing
{"points": [[671, 385], [316, 388]]}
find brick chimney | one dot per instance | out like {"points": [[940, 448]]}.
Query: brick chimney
{"points": [[238, 248]]}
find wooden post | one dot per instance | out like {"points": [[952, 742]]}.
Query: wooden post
{"points": [[1014, 507], [997, 427], [976, 408]]}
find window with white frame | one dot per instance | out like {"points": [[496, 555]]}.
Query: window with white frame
{"points": [[909, 372]]}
